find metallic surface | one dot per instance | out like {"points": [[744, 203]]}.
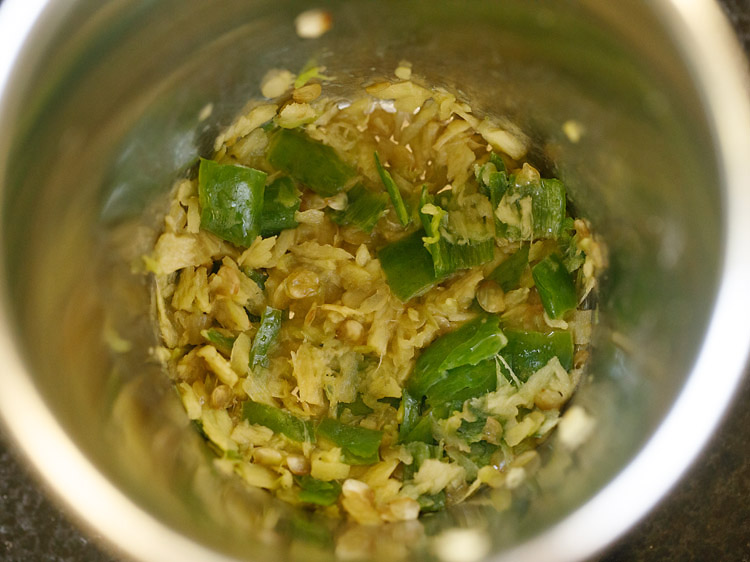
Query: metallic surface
{"points": [[94, 121]]}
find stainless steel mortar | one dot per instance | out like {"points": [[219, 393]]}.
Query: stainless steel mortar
{"points": [[100, 106]]}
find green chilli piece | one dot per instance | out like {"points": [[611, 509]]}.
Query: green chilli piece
{"points": [[508, 273], [408, 267], [280, 202], [461, 384], [430, 223], [258, 276], [318, 492], [446, 396], [359, 445], [357, 408], [493, 182], [231, 201], [555, 285], [411, 416], [433, 241], [497, 160], [527, 352], [268, 331], [363, 210], [278, 420], [548, 207], [421, 431], [447, 257], [475, 341], [391, 401], [222, 342], [572, 256], [395, 194], [308, 161]]}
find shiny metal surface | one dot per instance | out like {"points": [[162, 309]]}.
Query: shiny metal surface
{"points": [[98, 112]]}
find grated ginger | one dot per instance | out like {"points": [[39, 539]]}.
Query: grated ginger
{"points": [[348, 341]]}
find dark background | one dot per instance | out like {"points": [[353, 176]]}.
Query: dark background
{"points": [[706, 516]]}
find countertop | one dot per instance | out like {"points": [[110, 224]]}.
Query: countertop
{"points": [[705, 517]]}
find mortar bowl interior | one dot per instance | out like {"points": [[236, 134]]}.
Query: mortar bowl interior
{"points": [[106, 107]]}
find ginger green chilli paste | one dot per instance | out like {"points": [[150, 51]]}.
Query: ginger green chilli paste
{"points": [[372, 306]]}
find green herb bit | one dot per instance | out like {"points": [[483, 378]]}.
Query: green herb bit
{"points": [[318, 492], [270, 324], [357, 408], [461, 384], [231, 201], [359, 445], [221, 341], [472, 431], [556, 287], [307, 531], [508, 273], [363, 210], [278, 420], [408, 267], [463, 460], [481, 452], [260, 277], [233, 455], [473, 342], [310, 162], [432, 503], [393, 191], [310, 73], [280, 202], [527, 352], [420, 452]]}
